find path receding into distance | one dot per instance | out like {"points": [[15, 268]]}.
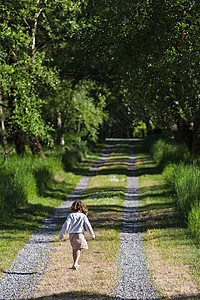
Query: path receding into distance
{"points": [[19, 281], [135, 280]]}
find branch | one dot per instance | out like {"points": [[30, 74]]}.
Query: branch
{"points": [[26, 23], [35, 27], [3, 105]]}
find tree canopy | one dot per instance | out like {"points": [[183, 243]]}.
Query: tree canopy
{"points": [[67, 66]]}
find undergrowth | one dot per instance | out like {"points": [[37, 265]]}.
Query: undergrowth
{"points": [[182, 172]]}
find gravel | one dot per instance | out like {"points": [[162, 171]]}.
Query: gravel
{"points": [[135, 279], [19, 280]]}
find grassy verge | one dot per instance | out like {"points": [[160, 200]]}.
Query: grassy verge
{"points": [[97, 275], [16, 229], [172, 255]]}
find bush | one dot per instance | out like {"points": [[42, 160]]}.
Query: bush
{"points": [[165, 153], [44, 171], [17, 185], [183, 175], [74, 154], [169, 173], [23, 177], [185, 180], [194, 222]]}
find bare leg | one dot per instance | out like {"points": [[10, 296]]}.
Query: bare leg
{"points": [[76, 256]]}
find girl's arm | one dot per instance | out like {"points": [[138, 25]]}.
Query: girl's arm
{"points": [[88, 227], [64, 228]]}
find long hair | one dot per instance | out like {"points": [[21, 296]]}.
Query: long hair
{"points": [[79, 206]]}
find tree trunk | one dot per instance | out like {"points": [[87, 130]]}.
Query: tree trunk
{"points": [[191, 135], [61, 139], [3, 130], [18, 134], [36, 147], [196, 137], [19, 142]]}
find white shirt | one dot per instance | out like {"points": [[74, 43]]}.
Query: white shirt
{"points": [[76, 223]]}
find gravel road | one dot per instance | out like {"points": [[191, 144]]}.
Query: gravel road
{"points": [[19, 280], [135, 280]]}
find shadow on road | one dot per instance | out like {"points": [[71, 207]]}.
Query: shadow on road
{"points": [[83, 295], [87, 296]]}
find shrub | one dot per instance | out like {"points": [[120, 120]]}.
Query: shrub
{"points": [[44, 172], [70, 158], [23, 177], [164, 153], [185, 180], [74, 154], [169, 173], [17, 185], [183, 174], [194, 222]]}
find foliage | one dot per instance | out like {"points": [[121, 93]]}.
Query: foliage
{"points": [[57, 62], [17, 185], [194, 222], [139, 129], [21, 69], [165, 152], [80, 108], [22, 179], [71, 157], [182, 173], [166, 77], [31, 34], [185, 182]]}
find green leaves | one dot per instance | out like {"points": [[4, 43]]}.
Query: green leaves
{"points": [[79, 109], [66, 58]]}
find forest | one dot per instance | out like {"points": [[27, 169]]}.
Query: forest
{"points": [[74, 71]]}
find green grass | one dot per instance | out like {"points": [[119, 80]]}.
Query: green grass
{"points": [[173, 257], [185, 181], [16, 228]]}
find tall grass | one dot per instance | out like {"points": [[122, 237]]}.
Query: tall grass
{"points": [[22, 178], [183, 174], [185, 181], [165, 153], [73, 154]]}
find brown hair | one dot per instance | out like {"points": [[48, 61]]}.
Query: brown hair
{"points": [[79, 206]]}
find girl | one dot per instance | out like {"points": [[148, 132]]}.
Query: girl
{"points": [[75, 225]]}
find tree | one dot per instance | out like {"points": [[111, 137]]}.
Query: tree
{"points": [[28, 31], [164, 79], [79, 110]]}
